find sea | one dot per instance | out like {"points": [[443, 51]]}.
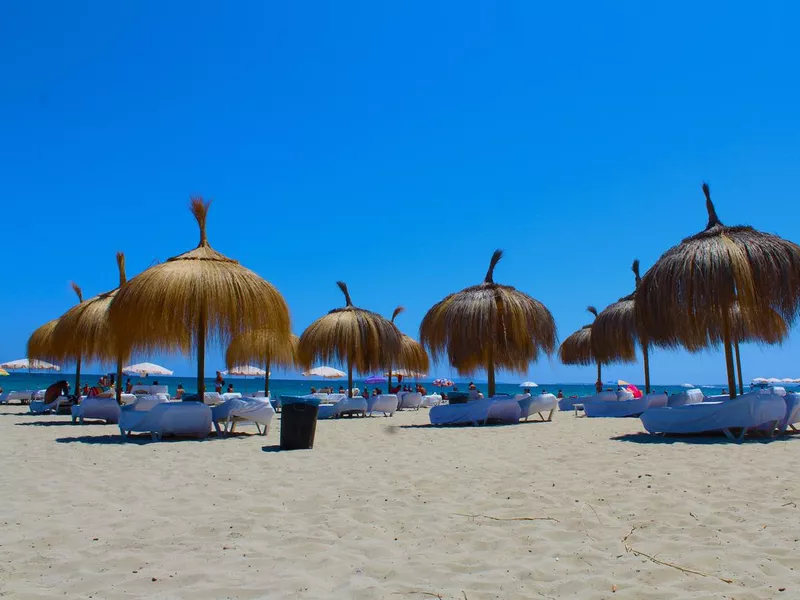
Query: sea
{"points": [[292, 387]]}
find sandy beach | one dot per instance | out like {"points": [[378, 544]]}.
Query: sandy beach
{"points": [[390, 508]]}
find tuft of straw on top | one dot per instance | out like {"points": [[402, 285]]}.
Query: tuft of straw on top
{"points": [[361, 339], [488, 326], [77, 289]]}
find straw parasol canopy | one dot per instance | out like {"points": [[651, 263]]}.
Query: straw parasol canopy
{"points": [[265, 347], [615, 332], [40, 344], [412, 357], [578, 349], [201, 292], [687, 295], [85, 330], [363, 339], [488, 326]]}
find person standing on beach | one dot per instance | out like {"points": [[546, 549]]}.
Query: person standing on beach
{"points": [[218, 383]]}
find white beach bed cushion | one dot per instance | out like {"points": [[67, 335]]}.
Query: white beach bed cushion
{"points": [[20, 395], [104, 409], [531, 405], [477, 412], [167, 418], [40, 407], [410, 400], [255, 410], [431, 400], [212, 398], [693, 396], [792, 401], [748, 411], [230, 396], [623, 408], [347, 405], [385, 403]]}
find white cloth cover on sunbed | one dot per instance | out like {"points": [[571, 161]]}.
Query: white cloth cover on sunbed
{"points": [[356, 404], [693, 396], [21, 395], [792, 401], [40, 407], [623, 395], [410, 400], [531, 405], [385, 403], [569, 403], [171, 418], [212, 398], [334, 398], [431, 400], [747, 411], [257, 410], [104, 409], [623, 408], [322, 396], [477, 412], [231, 396]]}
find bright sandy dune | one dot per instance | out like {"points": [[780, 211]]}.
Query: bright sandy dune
{"points": [[381, 509]]}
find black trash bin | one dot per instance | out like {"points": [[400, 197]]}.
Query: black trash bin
{"points": [[298, 422]]}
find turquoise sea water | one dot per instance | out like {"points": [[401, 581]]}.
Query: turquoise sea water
{"points": [[278, 387]]}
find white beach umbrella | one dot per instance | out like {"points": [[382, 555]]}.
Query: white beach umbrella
{"points": [[528, 384], [145, 369], [774, 380], [758, 380], [687, 385], [245, 371], [23, 364], [324, 372], [787, 380]]}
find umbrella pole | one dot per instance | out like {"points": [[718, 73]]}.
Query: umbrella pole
{"points": [[598, 386], [266, 381], [201, 355], [726, 339], [646, 361], [490, 370], [349, 377], [389, 385], [738, 366], [78, 378], [119, 379]]}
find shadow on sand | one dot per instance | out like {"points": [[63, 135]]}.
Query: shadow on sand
{"points": [[56, 423], [146, 438], [696, 439]]}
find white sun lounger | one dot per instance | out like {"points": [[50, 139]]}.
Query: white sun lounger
{"points": [[166, 418], [239, 410], [385, 403], [431, 400], [347, 407], [747, 412], [693, 396], [103, 409], [477, 412], [23, 396], [792, 401], [532, 405], [623, 408], [212, 398], [569, 403], [410, 400], [40, 407]]}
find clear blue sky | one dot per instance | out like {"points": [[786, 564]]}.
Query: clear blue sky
{"points": [[394, 146]]}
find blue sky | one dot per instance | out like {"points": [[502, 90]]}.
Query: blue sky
{"points": [[394, 146]]}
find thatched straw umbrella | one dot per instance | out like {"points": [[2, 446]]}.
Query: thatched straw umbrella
{"points": [[578, 349], [687, 295], [40, 344], [615, 333], [264, 346], [202, 292], [412, 355], [85, 330], [361, 338], [487, 326]]}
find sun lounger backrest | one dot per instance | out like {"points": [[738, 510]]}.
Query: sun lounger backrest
{"points": [[521, 396]]}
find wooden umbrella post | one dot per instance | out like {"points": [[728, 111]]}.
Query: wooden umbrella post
{"points": [[726, 334], [738, 366]]}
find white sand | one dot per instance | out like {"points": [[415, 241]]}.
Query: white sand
{"points": [[377, 510]]}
